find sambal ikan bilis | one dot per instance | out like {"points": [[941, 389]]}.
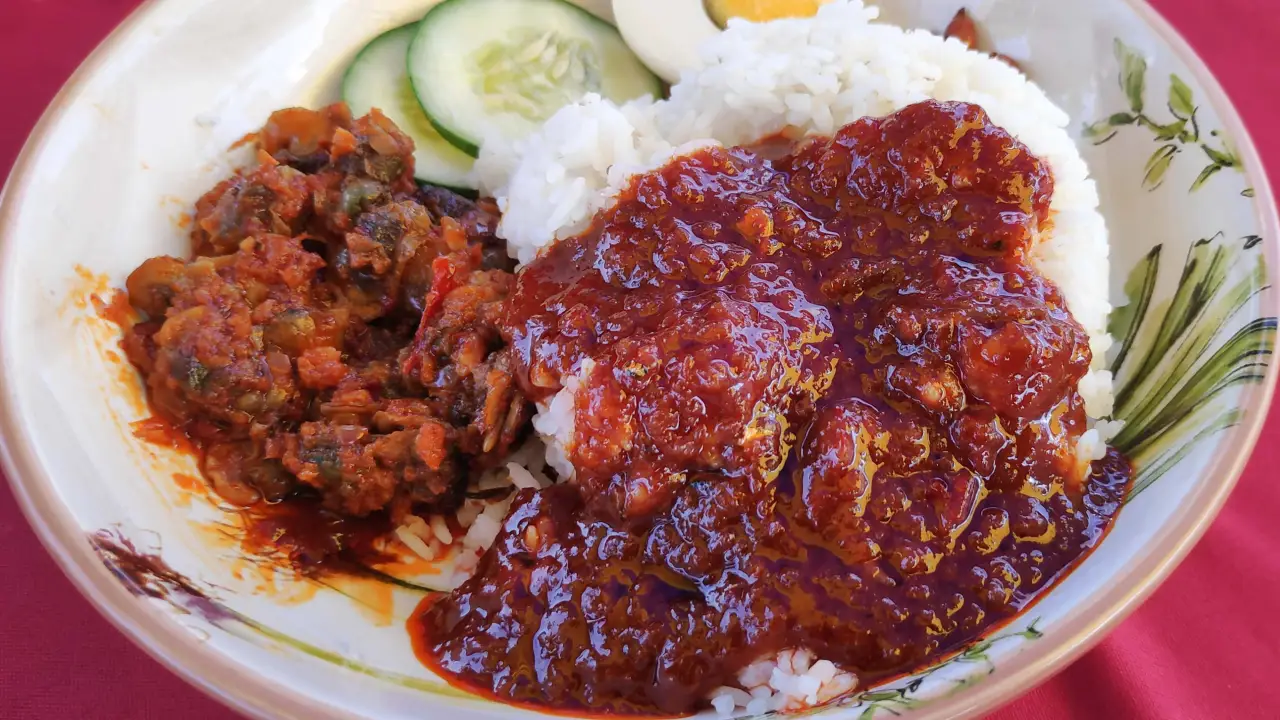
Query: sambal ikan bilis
{"points": [[761, 420]]}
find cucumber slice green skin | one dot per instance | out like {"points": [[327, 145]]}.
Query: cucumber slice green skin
{"points": [[455, 31], [378, 77]]}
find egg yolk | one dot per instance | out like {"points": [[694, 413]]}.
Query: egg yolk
{"points": [[760, 10]]}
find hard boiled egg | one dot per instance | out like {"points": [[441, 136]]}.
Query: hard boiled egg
{"points": [[665, 34]]}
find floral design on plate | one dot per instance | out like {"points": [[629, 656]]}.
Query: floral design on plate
{"points": [[1180, 134], [1173, 364]]}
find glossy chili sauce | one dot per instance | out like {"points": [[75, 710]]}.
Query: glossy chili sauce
{"points": [[821, 400]]}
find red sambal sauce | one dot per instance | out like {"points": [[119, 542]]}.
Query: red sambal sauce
{"points": [[330, 348], [823, 400]]}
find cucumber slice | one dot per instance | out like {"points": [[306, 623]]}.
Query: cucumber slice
{"points": [[500, 67], [379, 78]]}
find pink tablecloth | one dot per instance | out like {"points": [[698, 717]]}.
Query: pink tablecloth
{"points": [[1206, 645]]}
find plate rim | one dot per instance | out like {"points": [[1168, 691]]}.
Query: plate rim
{"points": [[225, 680]]}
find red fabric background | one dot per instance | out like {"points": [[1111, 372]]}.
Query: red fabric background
{"points": [[1205, 645]]}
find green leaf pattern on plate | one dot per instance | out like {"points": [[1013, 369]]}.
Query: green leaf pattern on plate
{"points": [[1125, 321], [1181, 103], [1180, 133], [1158, 165], [1173, 364], [1133, 75]]}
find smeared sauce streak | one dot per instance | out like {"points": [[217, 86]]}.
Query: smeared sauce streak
{"points": [[147, 574], [825, 401]]}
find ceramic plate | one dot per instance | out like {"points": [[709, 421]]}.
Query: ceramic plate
{"points": [[143, 128]]}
